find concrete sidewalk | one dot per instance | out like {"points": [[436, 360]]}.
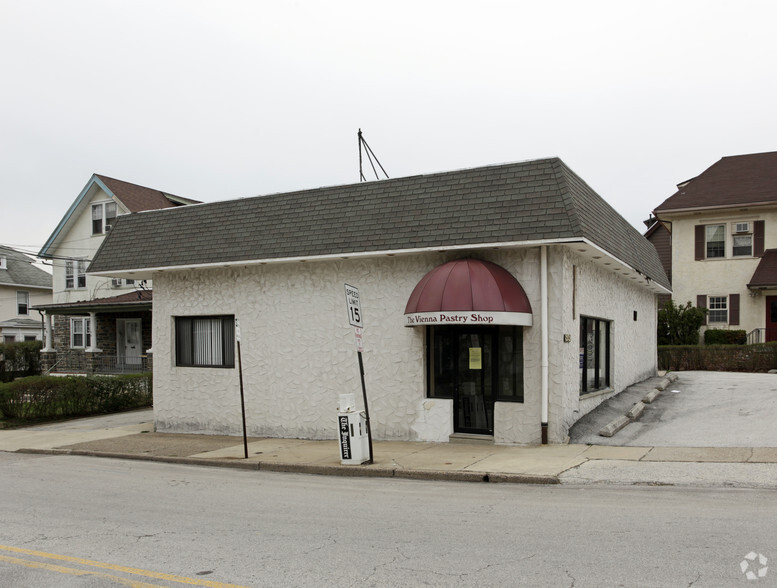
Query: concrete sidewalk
{"points": [[550, 464]]}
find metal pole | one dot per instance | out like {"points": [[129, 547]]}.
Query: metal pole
{"points": [[242, 400], [366, 408]]}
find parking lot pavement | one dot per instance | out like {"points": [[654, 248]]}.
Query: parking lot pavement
{"points": [[700, 409]]}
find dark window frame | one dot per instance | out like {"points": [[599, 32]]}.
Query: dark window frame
{"points": [[516, 332], [602, 364], [186, 351]]}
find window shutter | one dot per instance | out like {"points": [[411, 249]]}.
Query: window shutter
{"points": [[698, 238], [758, 238], [701, 302], [733, 309]]}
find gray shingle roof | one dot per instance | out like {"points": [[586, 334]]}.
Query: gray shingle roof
{"points": [[21, 272], [527, 201]]}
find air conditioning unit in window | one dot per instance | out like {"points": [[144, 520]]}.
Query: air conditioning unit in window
{"points": [[742, 228], [108, 228], [116, 282]]}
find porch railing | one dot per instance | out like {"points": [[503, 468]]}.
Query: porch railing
{"points": [[762, 335], [78, 363], [756, 336]]}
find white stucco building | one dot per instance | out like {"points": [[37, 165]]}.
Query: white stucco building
{"points": [[503, 302]]}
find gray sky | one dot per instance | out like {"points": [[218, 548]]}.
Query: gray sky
{"points": [[217, 100]]}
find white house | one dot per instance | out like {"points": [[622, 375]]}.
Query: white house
{"points": [[722, 245], [22, 285], [504, 302], [93, 323]]}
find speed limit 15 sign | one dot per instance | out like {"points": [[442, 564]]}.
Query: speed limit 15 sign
{"points": [[354, 307]]}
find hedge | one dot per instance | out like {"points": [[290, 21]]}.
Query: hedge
{"points": [[51, 397], [718, 358], [725, 337], [19, 359]]}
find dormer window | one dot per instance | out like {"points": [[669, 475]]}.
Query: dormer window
{"points": [[103, 217]]}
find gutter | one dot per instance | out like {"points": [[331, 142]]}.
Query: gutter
{"points": [[544, 336]]}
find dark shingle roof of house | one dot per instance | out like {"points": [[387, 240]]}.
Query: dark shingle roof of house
{"points": [[511, 203], [732, 181], [138, 198], [765, 274], [20, 271], [134, 299]]}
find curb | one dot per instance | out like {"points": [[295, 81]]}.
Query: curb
{"points": [[323, 470], [639, 407]]}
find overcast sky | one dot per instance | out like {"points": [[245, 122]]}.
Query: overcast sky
{"points": [[227, 99]]}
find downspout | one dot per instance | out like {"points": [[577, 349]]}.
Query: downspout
{"points": [[544, 336]]}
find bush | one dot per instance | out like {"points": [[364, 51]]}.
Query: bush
{"points": [[50, 397], [18, 360], [725, 337], [718, 358], [679, 325]]}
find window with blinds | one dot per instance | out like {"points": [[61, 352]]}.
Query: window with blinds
{"points": [[205, 341]]}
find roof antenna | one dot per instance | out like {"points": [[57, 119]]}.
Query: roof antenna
{"points": [[370, 156]]}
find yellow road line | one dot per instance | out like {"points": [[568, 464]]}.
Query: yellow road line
{"points": [[75, 572], [107, 566]]}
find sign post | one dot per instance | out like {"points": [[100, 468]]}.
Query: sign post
{"points": [[242, 397], [355, 319]]}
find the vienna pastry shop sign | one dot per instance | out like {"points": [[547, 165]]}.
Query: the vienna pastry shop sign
{"points": [[466, 317]]}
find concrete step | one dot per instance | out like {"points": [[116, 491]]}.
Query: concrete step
{"points": [[471, 438]]}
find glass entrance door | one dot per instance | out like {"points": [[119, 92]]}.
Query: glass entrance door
{"points": [[474, 402], [463, 363]]}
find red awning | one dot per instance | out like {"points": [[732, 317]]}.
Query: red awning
{"points": [[468, 291]]}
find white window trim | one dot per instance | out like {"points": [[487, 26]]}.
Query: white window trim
{"points": [[74, 269], [711, 310], [85, 332], [27, 304], [707, 240], [3, 262], [103, 218]]}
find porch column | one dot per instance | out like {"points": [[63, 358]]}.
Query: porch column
{"points": [[48, 345], [93, 334]]}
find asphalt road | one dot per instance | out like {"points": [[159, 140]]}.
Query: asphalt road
{"points": [[118, 522], [701, 409]]}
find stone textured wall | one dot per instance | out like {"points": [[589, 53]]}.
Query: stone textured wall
{"points": [[299, 352], [604, 295]]}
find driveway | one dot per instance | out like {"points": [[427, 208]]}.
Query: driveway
{"points": [[701, 409]]}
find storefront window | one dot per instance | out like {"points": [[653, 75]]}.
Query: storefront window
{"points": [[594, 355]]}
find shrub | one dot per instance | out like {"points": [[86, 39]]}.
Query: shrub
{"points": [[679, 325], [725, 337], [720, 358], [50, 397], [20, 359]]}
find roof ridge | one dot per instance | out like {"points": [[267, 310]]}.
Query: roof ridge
{"points": [[566, 194]]}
